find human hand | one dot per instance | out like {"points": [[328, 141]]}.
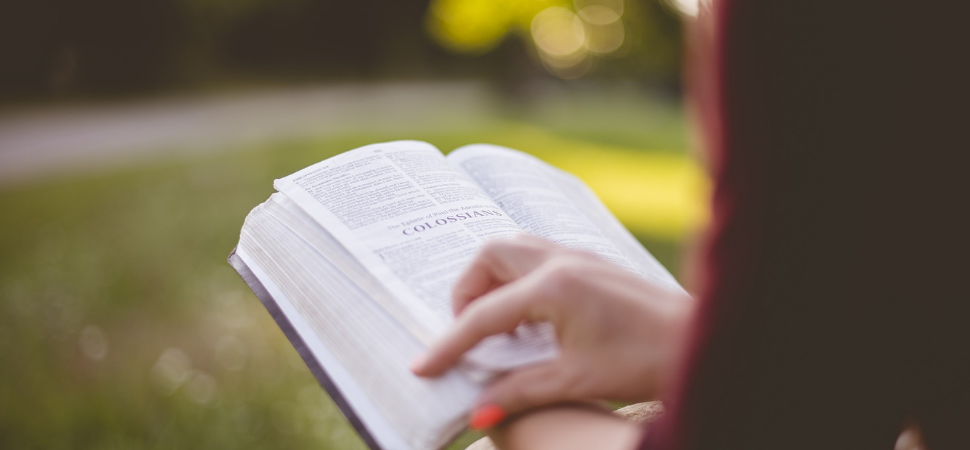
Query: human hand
{"points": [[618, 334]]}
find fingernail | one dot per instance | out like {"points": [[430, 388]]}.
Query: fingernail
{"points": [[418, 363], [486, 417]]}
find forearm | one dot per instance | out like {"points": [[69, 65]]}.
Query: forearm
{"points": [[565, 427]]}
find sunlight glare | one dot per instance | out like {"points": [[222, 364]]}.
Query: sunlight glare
{"points": [[689, 8]]}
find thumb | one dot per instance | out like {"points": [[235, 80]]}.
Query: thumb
{"points": [[522, 389]]}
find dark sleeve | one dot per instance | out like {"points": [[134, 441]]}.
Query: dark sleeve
{"points": [[834, 302]]}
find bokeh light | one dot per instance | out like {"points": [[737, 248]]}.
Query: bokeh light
{"points": [[605, 30], [559, 33], [689, 8], [600, 12], [560, 38], [606, 38], [567, 37]]}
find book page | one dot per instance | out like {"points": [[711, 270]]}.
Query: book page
{"points": [[360, 346], [553, 204], [406, 215]]}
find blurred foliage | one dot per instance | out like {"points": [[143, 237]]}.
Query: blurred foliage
{"points": [[122, 325], [56, 48], [221, 10], [571, 38], [477, 26]]}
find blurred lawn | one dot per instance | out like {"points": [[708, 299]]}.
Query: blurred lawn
{"points": [[122, 326]]}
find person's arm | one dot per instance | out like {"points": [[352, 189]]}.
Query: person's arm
{"points": [[566, 427]]}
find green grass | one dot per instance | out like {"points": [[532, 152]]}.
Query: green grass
{"points": [[101, 275]]}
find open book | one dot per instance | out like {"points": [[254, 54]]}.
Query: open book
{"points": [[355, 258]]}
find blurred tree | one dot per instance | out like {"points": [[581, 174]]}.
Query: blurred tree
{"points": [[477, 26], [569, 37], [97, 45], [56, 47], [330, 38], [209, 22]]}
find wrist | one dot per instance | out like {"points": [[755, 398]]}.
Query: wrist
{"points": [[579, 425]]}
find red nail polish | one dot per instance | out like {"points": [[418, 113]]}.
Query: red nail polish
{"points": [[486, 416]]}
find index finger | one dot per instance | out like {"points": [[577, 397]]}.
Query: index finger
{"points": [[498, 263], [500, 311]]}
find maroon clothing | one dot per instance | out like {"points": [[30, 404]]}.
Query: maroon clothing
{"points": [[836, 278]]}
